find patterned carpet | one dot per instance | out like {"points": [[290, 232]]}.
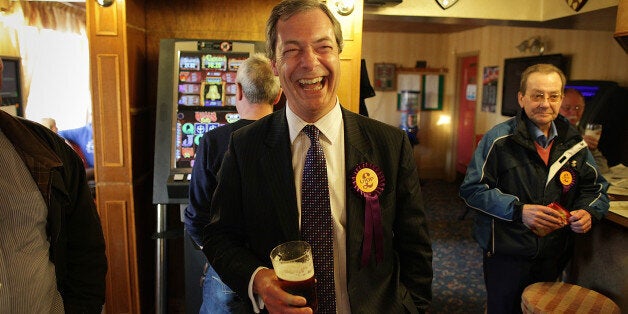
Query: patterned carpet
{"points": [[458, 286]]}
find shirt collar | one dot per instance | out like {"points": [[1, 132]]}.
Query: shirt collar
{"points": [[539, 136], [329, 124]]}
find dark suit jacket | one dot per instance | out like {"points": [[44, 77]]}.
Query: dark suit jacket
{"points": [[255, 209], [209, 154]]}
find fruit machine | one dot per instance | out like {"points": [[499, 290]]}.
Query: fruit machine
{"points": [[195, 93]]}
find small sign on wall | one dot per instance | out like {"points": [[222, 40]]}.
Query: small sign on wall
{"points": [[385, 76], [489, 88]]}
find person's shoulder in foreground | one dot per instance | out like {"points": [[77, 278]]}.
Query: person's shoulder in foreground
{"points": [[77, 246]]}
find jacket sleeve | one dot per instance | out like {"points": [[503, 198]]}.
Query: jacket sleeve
{"points": [[479, 188], [592, 189], [85, 263], [202, 186], [411, 236], [600, 160], [224, 239]]}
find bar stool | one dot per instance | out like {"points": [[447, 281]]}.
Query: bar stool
{"points": [[560, 297]]}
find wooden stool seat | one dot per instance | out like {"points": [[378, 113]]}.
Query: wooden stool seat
{"points": [[560, 297]]}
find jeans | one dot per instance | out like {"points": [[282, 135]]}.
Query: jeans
{"points": [[218, 298]]}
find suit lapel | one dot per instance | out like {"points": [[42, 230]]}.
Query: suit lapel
{"points": [[357, 149], [276, 164]]}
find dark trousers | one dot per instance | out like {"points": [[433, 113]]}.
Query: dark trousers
{"points": [[506, 276]]}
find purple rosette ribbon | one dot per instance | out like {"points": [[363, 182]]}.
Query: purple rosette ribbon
{"points": [[368, 181]]}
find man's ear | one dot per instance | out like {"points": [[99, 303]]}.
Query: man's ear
{"points": [[239, 94], [273, 65], [278, 97], [520, 99]]}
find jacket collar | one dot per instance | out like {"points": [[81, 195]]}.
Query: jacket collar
{"points": [[36, 154], [26, 142]]}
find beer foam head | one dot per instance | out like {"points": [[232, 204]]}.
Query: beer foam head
{"points": [[294, 271]]}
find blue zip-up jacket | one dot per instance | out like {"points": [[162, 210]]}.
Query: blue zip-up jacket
{"points": [[506, 172]]}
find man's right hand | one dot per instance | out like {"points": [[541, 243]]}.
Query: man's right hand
{"points": [[541, 219], [591, 141], [276, 300]]}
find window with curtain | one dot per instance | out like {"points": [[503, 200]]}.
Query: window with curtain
{"points": [[55, 59]]}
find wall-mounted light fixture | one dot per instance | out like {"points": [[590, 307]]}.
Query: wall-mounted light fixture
{"points": [[533, 44], [344, 7], [105, 3]]}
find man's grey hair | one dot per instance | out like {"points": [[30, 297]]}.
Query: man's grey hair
{"points": [[544, 68], [258, 81]]}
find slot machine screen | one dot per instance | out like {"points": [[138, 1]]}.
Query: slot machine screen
{"points": [[206, 89], [191, 125], [195, 94]]}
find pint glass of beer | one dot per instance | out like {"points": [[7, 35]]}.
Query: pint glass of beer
{"points": [[294, 266]]}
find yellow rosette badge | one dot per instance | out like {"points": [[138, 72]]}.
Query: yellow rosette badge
{"points": [[367, 180], [566, 178]]}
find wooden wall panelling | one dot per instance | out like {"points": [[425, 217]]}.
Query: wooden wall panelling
{"points": [[115, 225], [112, 139]]}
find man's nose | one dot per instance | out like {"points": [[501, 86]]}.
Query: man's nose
{"points": [[309, 58]]}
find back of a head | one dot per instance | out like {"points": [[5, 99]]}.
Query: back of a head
{"points": [[50, 123], [258, 81]]}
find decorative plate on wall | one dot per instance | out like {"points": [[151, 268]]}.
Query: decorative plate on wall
{"points": [[576, 4], [445, 4]]}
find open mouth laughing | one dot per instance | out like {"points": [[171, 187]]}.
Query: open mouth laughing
{"points": [[314, 84]]}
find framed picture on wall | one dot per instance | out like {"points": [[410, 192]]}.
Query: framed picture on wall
{"points": [[385, 76], [432, 92]]}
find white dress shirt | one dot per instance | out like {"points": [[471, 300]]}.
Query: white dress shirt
{"points": [[332, 140]]}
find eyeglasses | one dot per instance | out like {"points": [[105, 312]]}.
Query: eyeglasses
{"points": [[540, 97]]}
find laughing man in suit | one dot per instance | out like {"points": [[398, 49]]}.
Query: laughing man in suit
{"points": [[257, 204]]}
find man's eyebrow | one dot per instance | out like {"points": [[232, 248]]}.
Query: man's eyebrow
{"points": [[543, 91]]}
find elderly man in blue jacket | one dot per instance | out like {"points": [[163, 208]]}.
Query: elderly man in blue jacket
{"points": [[520, 167]]}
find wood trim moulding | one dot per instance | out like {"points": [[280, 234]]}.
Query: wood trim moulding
{"points": [[117, 241], [422, 70], [107, 20], [109, 84]]}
